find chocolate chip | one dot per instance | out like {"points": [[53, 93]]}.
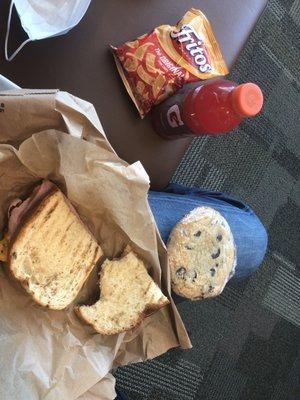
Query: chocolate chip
{"points": [[188, 247], [181, 272], [197, 234], [194, 275], [212, 271], [216, 255], [219, 237], [210, 289], [14, 255]]}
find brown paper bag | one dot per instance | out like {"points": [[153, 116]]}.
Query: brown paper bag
{"points": [[103, 390], [48, 354]]}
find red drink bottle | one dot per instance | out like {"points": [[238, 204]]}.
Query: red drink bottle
{"points": [[212, 108]]}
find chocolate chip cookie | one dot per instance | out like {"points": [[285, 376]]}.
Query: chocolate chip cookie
{"points": [[202, 254]]}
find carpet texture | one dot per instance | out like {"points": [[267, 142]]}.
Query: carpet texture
{"points": [[246, 341]]}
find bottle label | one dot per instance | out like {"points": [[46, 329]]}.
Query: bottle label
{"points": [[168, 119], [174, 117]]}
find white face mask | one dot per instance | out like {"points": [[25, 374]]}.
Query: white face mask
{"points": [[45, 18]]}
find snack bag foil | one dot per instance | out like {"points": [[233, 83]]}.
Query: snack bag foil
{"points": [[155, 65]]}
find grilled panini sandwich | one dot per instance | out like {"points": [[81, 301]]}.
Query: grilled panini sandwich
{"points": [[50, 251]]}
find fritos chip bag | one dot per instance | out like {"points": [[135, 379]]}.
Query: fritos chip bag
{"points": [[155, 65]]}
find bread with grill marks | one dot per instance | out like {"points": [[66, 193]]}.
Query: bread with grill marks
{"points": [[53, 253]]}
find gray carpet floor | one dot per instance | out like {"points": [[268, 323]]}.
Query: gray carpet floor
{"points": [[246, 341]]}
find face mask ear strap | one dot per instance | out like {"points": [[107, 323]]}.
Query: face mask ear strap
{"points": [[12, 56]]}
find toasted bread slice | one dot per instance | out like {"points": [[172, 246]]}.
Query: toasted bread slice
{"points": [[53, 253], [127, 296]]}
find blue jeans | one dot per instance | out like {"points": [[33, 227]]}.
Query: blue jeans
{"points": [[250, 236]]}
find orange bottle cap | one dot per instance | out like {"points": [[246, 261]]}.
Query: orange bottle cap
{"points": [[247, 99]]}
